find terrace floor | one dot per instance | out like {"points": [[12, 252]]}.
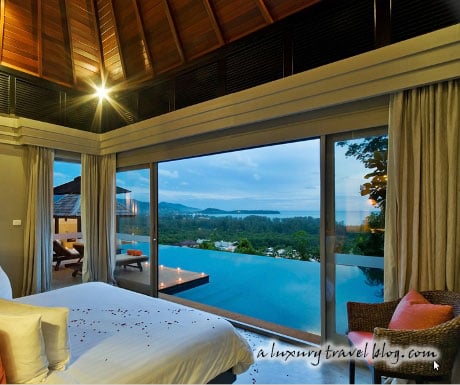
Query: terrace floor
{"points": [[275, 371]]}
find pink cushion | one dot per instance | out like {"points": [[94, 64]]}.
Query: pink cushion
{"points": [[414, 311], [359, 340], [2, 373]]}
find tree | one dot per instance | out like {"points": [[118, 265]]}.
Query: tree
{"points": [[372, 152], [245, 247], [301, 242]]}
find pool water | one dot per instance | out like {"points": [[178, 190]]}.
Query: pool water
{"points": [[283, 291]]}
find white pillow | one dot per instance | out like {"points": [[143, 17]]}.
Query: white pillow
{"points": [[54, 327], [22, 348], [5, 285]]}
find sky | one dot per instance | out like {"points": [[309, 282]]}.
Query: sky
{"points": [[283, 177]]}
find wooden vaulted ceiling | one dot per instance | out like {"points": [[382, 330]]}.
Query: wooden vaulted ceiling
{"points": [[77, 43]]}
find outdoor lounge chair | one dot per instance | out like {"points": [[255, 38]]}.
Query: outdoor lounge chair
{"points": [[61, 253], [374, 319], [130, 260], [120, 260]]}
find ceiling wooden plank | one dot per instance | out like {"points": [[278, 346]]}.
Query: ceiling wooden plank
{"points": [[214, 22], [132, 47], [95, 22], [238, 18], [72, 62], [172, 25], [265, 12], [85, 43], [20, 39], [159, 35], [2, 27], [40, 37], [55, 58], [140, 26], [194, 28], [280, 9], [110, 42]]}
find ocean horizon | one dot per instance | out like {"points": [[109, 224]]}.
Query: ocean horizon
{"points": [[347, 217]]}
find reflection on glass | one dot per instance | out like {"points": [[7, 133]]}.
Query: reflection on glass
{"points": [[360, 192], [133, 230]]}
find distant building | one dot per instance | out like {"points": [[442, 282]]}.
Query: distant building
{"points": [[226, 246]]}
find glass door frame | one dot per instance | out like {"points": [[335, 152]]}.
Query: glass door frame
{"points": [[153, 222], [154, 229], [328, 256]]}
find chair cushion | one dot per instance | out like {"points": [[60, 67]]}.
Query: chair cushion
{"points": [[414, 311], [360, 339], [134, 252], [2, 373]]}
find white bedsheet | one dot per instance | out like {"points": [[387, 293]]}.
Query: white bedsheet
{"points": [[118, 336]]}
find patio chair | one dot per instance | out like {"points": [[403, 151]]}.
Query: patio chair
{"points": [[131, 260], [61, 253], [374, 319]]}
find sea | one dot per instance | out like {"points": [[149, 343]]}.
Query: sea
{"points": [[347, 217], [283, 291]]}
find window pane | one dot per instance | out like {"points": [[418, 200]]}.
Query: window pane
{"points": [[133, 230], [240, 231], [360, 188]]}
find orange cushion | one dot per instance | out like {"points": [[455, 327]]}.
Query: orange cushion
{"points": [[2, 373], [414, 311], [359, 340], [135, 252]]}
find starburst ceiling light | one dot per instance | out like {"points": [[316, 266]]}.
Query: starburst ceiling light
{"points": [[102, 92]]}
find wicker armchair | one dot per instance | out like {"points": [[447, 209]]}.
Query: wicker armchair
{"points": [[444, 337]]}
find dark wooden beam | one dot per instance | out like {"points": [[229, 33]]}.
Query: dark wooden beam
{"points": [[382, 23], [214, 23], [117, 37], [265, 12], [140, 26], [68, 40], [172, 25], [98, 29]]}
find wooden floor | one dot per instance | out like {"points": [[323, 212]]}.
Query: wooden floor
{"points": [[170, 280], [271, 371]]}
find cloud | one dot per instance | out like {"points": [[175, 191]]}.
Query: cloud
{"points": [[168, 174]]}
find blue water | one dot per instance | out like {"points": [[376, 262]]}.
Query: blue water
{"points": [[283, 291], [347, 217]]}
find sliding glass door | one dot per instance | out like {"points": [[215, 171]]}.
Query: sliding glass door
{"points": [[355, 226], [135, 251], [280, 236]]}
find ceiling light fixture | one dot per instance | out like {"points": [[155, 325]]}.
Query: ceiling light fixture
{"points": [[102, 92]]}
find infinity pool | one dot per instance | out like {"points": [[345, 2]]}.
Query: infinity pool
{"points": [[283, 291]]}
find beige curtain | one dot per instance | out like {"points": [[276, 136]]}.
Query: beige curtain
{"points": [[98, 217], [422, 238], [38, 230]]}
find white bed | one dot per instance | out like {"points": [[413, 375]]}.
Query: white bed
{"points": [[119, 336]]}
